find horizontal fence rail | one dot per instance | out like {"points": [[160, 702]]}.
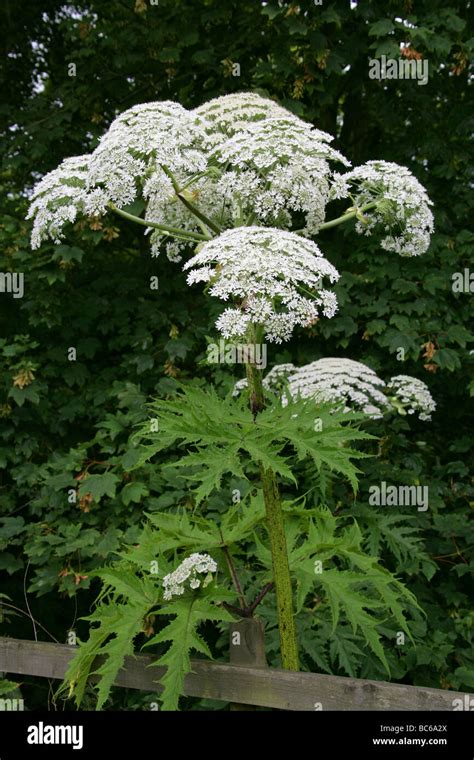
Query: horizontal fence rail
{"points": [[257, 686]]}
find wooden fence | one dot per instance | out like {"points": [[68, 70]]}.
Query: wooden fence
{"points": [[245, 681]]}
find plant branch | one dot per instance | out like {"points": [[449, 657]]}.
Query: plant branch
{"points": [[349, 214], [173, 231], [268, 587], [189, 205], [247, 612], [235, 577]]}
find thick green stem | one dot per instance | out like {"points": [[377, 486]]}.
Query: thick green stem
{"points": [[350, 214], [276, 531], [340, 220], [174, 231], [346, 217]]}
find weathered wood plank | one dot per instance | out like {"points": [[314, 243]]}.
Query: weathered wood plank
{"points": [[247, 643], [247, 648], [266, 687]]}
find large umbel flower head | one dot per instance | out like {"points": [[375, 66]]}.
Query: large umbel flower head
{"points": [[238, 160], [276, 168], [274, 276], [350, 385], [130, 161], [273, 164]]}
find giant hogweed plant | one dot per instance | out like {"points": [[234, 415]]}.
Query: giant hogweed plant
{"points": [[239, 188]]}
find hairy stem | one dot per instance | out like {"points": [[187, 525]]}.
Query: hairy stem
{"points": [[173, 231], [276, 531]]}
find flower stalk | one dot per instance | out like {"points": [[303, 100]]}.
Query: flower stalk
{"points": [[173, 231], [276, 532]]}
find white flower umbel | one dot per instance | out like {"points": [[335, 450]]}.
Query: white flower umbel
{"points": [[143, 139], [128, 163], [278, 375], [274, 276], [273, 163], [187, 572], [400, 205], [276, 167], [413, 395], [351, 383], [57, 199]]}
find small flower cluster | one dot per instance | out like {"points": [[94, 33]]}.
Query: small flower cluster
{"points": [[188, 571], [399, 204], [138, 143], [265, 269], [351, 383], [413, 394]]}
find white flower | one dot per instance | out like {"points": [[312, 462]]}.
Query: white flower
{"points": [[274, 163], [401, 205], [188, 570], [277, 141], [57, 199], [239, 386], [413, 394], [240, 160], [351, 383], [270, 273], [277, 375]]}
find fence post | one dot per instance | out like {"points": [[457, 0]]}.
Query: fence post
{"points": [[247, 648]]}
